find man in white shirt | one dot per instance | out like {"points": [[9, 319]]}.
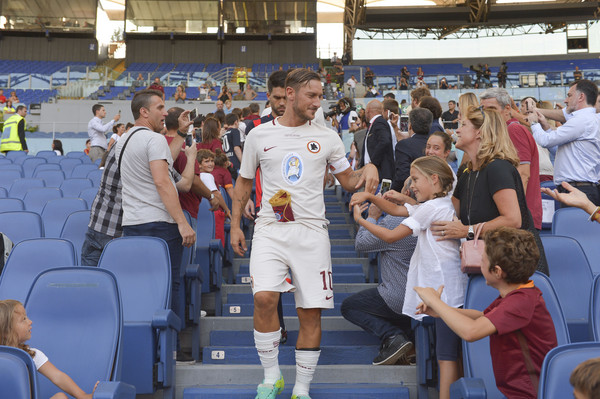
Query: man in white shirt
{"points": [[293, 154], [352, 86], [97, 131], [578, 155]]}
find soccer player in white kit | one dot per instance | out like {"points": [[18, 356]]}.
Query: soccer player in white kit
{"points": [[294, 155]]}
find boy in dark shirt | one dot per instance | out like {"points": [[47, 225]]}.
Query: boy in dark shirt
{"points": [[516, 322]]}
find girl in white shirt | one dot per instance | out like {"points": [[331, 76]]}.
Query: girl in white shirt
{"points": [[15, 330], [433, 263]]}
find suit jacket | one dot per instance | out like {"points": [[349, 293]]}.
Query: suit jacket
{"points": [[378, 143], [407, 150]]}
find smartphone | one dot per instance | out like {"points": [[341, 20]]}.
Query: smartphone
{"points": [[189, 140], [119, 112], [404, 123], [386, 184], [193, 114]]}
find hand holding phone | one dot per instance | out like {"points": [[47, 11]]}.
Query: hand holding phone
{"points": [[386, 184], [193, 114]]}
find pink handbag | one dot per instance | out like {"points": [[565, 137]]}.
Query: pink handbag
{"points": [[471, 253]]}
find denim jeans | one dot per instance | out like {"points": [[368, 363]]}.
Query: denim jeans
{"points": [[368, 310], [170, 233], [92, 247]]}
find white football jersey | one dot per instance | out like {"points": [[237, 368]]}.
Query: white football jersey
{"points": [[294, 159]]}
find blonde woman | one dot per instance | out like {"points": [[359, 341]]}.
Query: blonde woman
{"points": [[490, 190]]}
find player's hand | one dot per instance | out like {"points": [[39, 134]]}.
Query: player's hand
{"points": [[359, 198], [238, 241], [249, 210], [187, 233], [369, 178]]}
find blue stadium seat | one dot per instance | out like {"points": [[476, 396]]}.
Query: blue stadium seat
{"points": [[81, 171], [209, 254], [191, 294], [45, 166], [76, 154], [72, 187], [14, 167], [12, 155], [29, 165], [68, 164], [95, 176], [36, 198], [20, 186], [8, 177], [595, 309], [89, 194], [143, 269], [28, 259], [55, 160], [5, 161], [46, 154], [477, 361], [74, 230], [11, 204], [78, 323], [570, 272], [558, 365], [3, 192], [573, 222], [56, 212], [52, 178], [17, 374], [21, 225]]}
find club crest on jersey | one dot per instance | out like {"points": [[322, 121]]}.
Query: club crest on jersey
{"points": [[313, 146], [292, 168]]}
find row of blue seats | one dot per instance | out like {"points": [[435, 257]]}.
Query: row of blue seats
{"points": [[11, 187], [32, 167], [40, 67]]}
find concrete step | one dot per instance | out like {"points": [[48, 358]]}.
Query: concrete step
{"points": [[317, 391], [208, 324], [346, 354], [328, 338], [234, 309]]}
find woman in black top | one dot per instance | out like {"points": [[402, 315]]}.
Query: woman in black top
{"points": [[225, 94], [490, 190]]}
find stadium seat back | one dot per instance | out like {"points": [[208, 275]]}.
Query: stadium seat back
{"points": [[9, 176], [558, 365], [595, 309], [72, 187], [89, 194], [30, 164], [68, 164], [78, 318], [17, 374], [75, 228], [573, 222], [95, 176], [46, 154], [21, 225], [20, 187], [36, 198], [56, 212], [81, 171], [29, 258], [52, 178], [10, 205], [570, 272]]}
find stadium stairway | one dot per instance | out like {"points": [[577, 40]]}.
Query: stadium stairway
{"points": [[231, 368]]}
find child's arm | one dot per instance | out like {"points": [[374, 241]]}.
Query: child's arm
{"points": [[384, 234], [222, 204], [464, 322], [229, 190], [64, 382], [386, 206]]}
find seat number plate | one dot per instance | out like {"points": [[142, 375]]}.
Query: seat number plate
{"points": [[217, 355], [235, 309]]}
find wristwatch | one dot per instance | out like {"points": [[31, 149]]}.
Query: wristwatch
{"points": [[181, 134], [212, 197], [471, 233]]}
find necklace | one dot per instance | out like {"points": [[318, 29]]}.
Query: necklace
{"points": [[470, 202]]}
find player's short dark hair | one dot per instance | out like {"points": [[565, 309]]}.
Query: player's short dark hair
{"points": [[300, 77], [231, 118], [391, 96], [172, 118], [514, 250], [142, 99], [277, 79], [391, 105], [96, 108], [589, 90], [420, 120]]}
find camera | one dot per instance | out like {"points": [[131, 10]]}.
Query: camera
{"points": [[333, 111]]}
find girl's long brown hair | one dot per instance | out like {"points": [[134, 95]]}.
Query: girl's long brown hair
{"points": [[8, 337]]}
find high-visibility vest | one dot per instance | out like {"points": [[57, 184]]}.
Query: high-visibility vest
{"points": [[241, 76], [10, 134]]}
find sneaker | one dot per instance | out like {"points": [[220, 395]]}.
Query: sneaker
{"points": [[300, 397], [270, 391], [392, 349]]}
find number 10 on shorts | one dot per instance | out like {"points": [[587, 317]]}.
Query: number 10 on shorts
{"points": [[326, 276]]}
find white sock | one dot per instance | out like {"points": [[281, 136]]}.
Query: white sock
{"points": [[306, 364], [267, 346]]}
